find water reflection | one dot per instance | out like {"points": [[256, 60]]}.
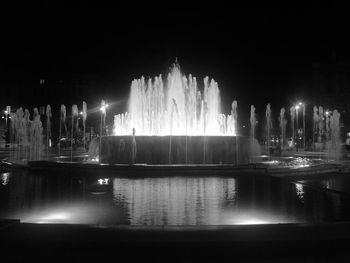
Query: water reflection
{"points": [[183, 200], [175, 201]]}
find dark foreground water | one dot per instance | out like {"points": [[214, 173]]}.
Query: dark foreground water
{"points": [[113, 199]]}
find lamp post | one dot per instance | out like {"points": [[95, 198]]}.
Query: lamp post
{"points": [[6, 114], [103, 108]]}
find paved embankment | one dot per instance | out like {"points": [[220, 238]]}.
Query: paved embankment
{"points": [[272, 243]]}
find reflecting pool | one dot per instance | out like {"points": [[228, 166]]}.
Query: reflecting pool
{"points": [[115, 199]]}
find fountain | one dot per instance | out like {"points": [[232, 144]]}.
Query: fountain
{"points": [[283, 124], [254, 146], [333, 144], [268, 126], [26, 139], [84, 113], [320, 124], [48, 129], [62, 121], [36, 136], [292, 118], [178, 108], [315, 127], [75, 114], [173, 123]]}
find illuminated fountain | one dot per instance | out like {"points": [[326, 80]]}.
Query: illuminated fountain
{"points": [[333, 144], [283, 124], [173, 123], [178, 108], [26, 136]]}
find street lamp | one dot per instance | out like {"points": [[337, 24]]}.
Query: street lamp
{"points": [[6, 116]]}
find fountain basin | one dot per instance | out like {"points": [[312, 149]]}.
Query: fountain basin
{"points": [[173, 149]]}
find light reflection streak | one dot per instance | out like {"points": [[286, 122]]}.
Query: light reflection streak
{"points": [[299, 188], [174, 201]]}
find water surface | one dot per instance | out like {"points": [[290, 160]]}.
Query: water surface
{"points": [[112, 199]]}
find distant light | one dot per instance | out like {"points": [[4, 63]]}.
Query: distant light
{"points": [[300, 103], [81, 113], [103, 181], [2, 117], [5, 178], [297, 107], [327, 112], [6, 111], [95, 159]]}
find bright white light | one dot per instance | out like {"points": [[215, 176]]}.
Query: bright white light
{"points": [[103, 109], [300, 103], [5, 178], [297, 107], [271, 162], [252, 221], [176, 107], [103, 181], [327, 112], [55, 216], [95, 159], [6, 111]]}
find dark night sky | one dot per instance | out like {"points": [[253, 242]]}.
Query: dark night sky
{"points": [[256, 55]]}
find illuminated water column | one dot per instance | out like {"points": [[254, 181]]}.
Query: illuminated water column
{"points": [[177, 108]]}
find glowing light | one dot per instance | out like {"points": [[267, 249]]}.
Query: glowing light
{"points": [[96, 159], [252, 221], [177, 108], [5, 178], [271, 162], [297, 107], [103, 181], [103, 109], [55, 216]]}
